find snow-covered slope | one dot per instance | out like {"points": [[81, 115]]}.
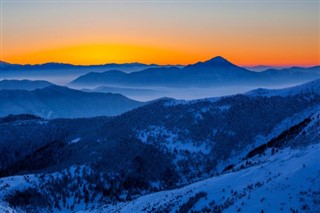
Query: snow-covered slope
{"points": [[286, 181], [279, 180], [312, 87]]}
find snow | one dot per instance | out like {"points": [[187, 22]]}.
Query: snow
{"points": [[21, 182], [13, 183], [288, 175], [6, 209], [312, 112], [224, 107], [312, 87], [170, 140], [187, 102], [286, 124], [76, 140], [45, 122]]}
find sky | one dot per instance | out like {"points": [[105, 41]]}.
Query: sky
{"points": [[261, 32]]}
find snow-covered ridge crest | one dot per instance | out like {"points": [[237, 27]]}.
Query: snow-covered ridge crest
{"points": [[312, 87]]}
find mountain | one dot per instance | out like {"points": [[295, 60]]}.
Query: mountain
{"points": [[12, 67], [186, 152], [214, 72], [126, 67], [4, 65], [55, 101], [201, 74], [123, 91], [151, 76], [261, 68], [217, 63], [312, 87], [23, 84], [254, 190], [291, 75], [61, 73], [94, 78]]}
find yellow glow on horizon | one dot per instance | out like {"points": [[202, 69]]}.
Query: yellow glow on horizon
{"points": [[104, 53], [90, 54], [272, 33]]}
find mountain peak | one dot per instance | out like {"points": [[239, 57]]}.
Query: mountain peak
{"points": [[217, 60]]}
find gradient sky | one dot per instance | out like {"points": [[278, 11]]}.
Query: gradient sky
{"points": [[163, 32]]}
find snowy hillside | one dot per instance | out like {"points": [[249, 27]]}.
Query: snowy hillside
{"points": [[276, 180], [312, 87], [284, 182]]}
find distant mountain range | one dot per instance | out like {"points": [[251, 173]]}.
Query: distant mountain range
{"points": [[261, 68], [126, 67], [199, 74], [121, 90], [23, 84], [312, 87], [62, 102], [214, 72], [60, 73]]}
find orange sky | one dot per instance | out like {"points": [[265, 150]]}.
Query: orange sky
{"points": [[246, 33]]}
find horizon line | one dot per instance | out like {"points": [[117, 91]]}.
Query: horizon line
{"points": [[160, 64]]}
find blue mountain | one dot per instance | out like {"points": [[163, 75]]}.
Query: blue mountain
{"points": [[23, 84], [214, 72], [126, 67], [62, 102]]}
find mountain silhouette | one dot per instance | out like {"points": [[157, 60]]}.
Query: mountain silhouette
{"points": [[212, 72], [56, 101]]}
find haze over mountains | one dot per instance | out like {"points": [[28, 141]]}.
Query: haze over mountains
{"points": [[62, 102], [215, 77], [61, 73], [134, 93], [312, 87], [261, 68], [212, 73], [126, 67]]}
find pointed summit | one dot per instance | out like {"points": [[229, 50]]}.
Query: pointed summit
{"points": [[4, 63], [217, 69], [218, 60]]}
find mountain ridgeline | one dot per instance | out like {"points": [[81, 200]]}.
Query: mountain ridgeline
{"points": [[126, 67], [23, 84], [214, 72], [60, 73], [61, 102]]}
